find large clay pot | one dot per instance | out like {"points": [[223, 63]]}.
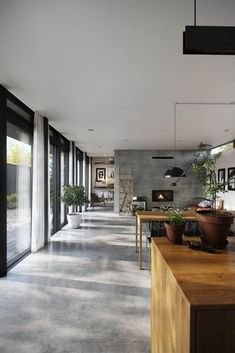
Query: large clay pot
{"points": [[174, 233], [214, 228]]}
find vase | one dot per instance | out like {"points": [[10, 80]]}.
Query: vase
{"points": [[174, 232]]}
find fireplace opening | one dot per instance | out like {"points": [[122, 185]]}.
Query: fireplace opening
{"points": [[162, 195]]}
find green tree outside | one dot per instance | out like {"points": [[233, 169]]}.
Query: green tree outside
{"points": [[18, 155]]}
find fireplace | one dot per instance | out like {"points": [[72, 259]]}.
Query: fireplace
{"points": [[162, 195]]}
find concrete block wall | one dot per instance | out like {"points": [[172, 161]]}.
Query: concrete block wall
{"points": [[148, 175]]}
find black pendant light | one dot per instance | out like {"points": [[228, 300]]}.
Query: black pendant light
{"points": [[208, 40], [174, 172]]}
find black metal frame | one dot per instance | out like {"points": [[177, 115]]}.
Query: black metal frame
{"points": [[86, 183], [56, 170], [221, 176], [46, 200], [79, 158], [9, 115], [76, 166], [55, 141], [3, 185], [72, 145], [231, 177], [99, 170]]}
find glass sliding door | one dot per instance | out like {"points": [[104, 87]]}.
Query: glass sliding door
{"points": [[58, 171], [62, 183], [19, 184], [52, 186], [79, 167], [79, 170], [16, 136], [64, 174]]}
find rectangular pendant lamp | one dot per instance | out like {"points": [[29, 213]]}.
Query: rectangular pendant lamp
{"points": [[209, 40]]}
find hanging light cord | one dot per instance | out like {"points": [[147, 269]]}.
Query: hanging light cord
{"points": [[186, 169], [195, 12], [174, 130], [175, 127]]}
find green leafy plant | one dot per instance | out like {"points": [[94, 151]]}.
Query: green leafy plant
{"points": [[73, 195], [205, 169], [175, 217], [12, 200], [19, 155]]}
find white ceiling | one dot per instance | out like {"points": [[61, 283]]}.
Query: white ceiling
{"points": [[117, 66]]}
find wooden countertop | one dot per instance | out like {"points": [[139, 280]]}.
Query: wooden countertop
{"points": [[205, 279]]}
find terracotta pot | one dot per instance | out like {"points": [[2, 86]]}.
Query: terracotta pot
{"points": [[214, 228], [174, 233]]}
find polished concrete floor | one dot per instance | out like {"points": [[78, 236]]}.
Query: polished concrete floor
{"points": [[83, 293]]}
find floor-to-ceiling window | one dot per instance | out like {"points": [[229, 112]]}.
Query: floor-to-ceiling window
{"points": [[52, 178], [16, 179], [58, 172], [79, 170], [19, 183], [62, 183], [87, 179], [79, 167]]}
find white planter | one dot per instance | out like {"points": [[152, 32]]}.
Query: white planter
{"points": [[74, 220]]}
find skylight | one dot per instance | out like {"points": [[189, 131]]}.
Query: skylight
{"points": [[223, 148]]}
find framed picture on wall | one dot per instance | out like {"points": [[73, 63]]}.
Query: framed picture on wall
{"points": [[231, 178], [221, 176], [100, 174]]}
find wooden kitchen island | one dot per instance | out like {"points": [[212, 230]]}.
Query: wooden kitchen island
{"points": [[193, 299]]}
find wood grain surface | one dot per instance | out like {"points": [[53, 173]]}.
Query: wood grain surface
{"points": [[204, 278], [193, 299]]}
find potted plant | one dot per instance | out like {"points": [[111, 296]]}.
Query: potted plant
{"points": [[214, 224], [175, 225], [74, 196]]}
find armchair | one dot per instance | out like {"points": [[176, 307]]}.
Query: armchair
{"points": [[95, 199]]}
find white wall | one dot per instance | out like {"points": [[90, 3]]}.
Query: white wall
{"points": [[227, 160]]}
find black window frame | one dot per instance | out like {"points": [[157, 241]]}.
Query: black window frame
{"points": [[9, 115], [59, 143]]}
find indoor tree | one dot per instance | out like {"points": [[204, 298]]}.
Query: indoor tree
{"points": [[206, 171]]}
